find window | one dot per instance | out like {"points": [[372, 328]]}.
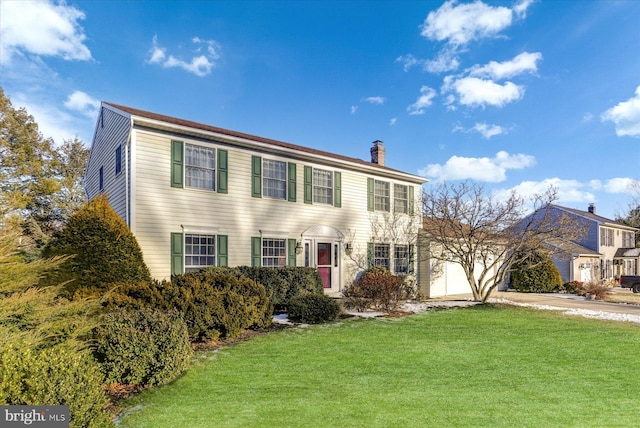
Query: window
{"points": [[101, 179], [199, 251], [274, 252], [606, 237], [381, 256], [400, 199], [401, 259], [381, 194], [200, 167], [322, 186], [118, 160], [628, 240], [274, 179]]}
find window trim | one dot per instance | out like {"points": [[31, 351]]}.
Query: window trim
{"points": [[214, 243], [283, 180], [330, 190], [404, 200], [188, 167], [386, 207]]}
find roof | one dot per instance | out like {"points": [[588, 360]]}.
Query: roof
{"points": [[274, 143], [594, 217], [573, 248], [627, 252]]}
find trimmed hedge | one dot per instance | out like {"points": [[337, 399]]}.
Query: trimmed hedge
{"points": [[214, 305], [144, 346], [536, 274], [54, 376], [313, 309], [376, 288], [282, 284]]}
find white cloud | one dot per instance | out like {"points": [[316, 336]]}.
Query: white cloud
{"points": [[626, 116], [521, 7], [568, 190], [526, 62], [408, 61], [424, 100], [42, 29], [354, 109], [445, 61], [587, 117], [393, 121], [485, 129], [478, 92], [492, 170], [83, 103], [615, 185], [374, 100], [200, 65], [463, 23]]}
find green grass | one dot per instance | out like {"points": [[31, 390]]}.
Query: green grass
{"points": [[481, 366]]}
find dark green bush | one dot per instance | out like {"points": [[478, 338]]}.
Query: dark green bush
{"points": [[573, 287], [143, 346], [376, 288], [313, 309], [281, 284], [103, 248], [536, 273], [54, 376]]}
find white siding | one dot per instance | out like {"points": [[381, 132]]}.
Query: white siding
{"points": [[160, 209]]}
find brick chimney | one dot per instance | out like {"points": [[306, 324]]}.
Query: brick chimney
{"points": [[377, 153], [592, 208]]}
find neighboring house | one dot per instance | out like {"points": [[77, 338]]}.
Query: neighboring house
{"points": [[195, 195], [606, 252]]}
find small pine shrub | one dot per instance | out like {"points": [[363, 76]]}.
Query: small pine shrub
{"points": [[536, 273], [145, 346], [313, 309], [103, 250], [376, 288], [54, 376], [573, 287]]}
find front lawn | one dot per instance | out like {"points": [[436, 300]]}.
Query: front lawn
{"points": [[479, 366]]}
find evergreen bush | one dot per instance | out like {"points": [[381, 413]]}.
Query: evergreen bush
{"points": [[144, 346], [536, 273], [313, 309], [103, 250], [54, 376], [376, 288]]}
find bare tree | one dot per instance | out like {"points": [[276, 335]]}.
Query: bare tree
{"points": [[466, 225], [632, 216]]}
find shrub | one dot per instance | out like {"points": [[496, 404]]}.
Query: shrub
{"points": [[536, 273], [573, 287], [54, 376], [313, 309], [144, 346], [595, 289], [281, 284], [213, 304], [103, 248], [376, 288]]}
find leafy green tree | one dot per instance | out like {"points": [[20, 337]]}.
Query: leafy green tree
{"points": [[102, 248]]}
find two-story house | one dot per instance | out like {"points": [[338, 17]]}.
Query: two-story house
{"points": [[195, 195], [604, 253]]}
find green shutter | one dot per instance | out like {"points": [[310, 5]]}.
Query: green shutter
{"points": [[370, 250], [308, 185], [412, 251], [177, 164], [256, 177], [292, 181], [256, 251], [223, 250], [177, 261], [371, 201], [291, 250], [223, 171], [410, 201], [337, 189]]}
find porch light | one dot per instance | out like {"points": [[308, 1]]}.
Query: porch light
{"points": [[298, 247]]}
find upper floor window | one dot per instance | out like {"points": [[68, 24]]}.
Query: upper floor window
{"points": [[118, 160], [200, 167], [628, 240], [400, 199], [381, 195], [322, 186], [274, 179], [606, 237], [200, 251]]}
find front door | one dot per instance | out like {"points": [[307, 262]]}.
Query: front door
{"points": [[323, 254]]}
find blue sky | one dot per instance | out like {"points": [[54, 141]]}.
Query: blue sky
{"points": [[514, 95]]}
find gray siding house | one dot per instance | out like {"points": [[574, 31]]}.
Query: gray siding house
{"points": [[195, 195]]}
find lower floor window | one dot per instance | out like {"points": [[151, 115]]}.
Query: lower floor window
{"points": [[274, 252], [401, 259], [381, 256], [200, 251]]}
